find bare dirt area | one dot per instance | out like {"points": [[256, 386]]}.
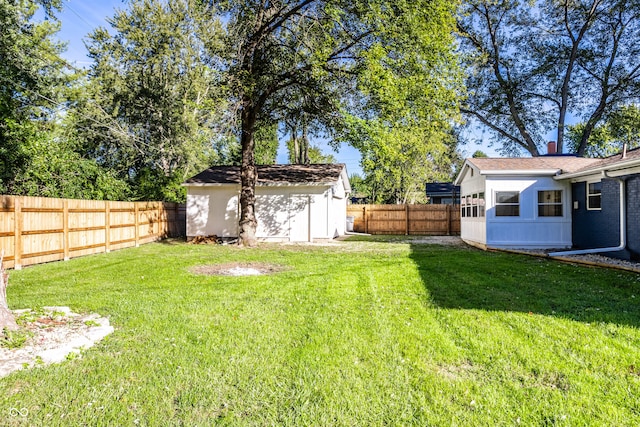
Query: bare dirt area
{"points": [[50, 335], [437, 240], [237, 269]]}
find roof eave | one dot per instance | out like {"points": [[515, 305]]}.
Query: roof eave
{"points": [[463, 172], [522, 172], [598, 170]]}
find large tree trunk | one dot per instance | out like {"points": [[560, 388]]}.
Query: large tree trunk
{"points": [[7, 320], [248, 177]]}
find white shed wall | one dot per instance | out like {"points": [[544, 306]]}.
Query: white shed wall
{"points": [[527, 231], [284, 213], [213, 211]]}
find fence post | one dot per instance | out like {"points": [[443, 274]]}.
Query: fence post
{"points": [[107, 226], [366, 221], [406, 219], [176, 221], [65, 229], [136, 213], [17, 234], [448, 211]]}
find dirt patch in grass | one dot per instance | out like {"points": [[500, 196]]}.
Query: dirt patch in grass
{"points": [[238, 269]]}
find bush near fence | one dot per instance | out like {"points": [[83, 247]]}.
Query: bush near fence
{"points": [[434, 220], [34, 230]]}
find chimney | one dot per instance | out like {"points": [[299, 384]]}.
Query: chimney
{"points": [[624, 150], [551, 147]]}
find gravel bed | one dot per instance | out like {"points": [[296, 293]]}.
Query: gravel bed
{"points": [[604, 261], [591, 259]]}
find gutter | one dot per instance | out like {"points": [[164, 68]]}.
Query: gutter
{"points": [[623, 226]]}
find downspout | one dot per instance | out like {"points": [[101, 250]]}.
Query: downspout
{"points": [[623, 226]]}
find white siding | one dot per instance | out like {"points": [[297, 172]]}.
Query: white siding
{"points": [[213, 211], [272, 213], [284, 213], [338, 218], [528, 230], [473, 229]]}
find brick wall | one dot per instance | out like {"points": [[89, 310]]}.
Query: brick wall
{"points": [[598, 229], [633, 216]]}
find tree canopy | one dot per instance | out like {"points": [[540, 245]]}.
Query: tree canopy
{"points": [[177, 86], [532, 64]]}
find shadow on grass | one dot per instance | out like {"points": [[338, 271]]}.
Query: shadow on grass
{"points": [[466, 278]]}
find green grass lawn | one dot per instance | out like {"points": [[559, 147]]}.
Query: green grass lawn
{"points": [[355, 334]]}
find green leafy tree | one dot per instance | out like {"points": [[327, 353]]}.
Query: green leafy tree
{"points": [[531, 64], [410, 81], [267, 143], [31, 79], [360, 191], [312, 59], [620, 127], [153, 110], [280, 49], [310, 154], [316, 156]]}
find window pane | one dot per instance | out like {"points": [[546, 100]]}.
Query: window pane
{"points": [[595, 202], [549, 210], [507, 210], [595, 187], [550, 196], [507, 197]]}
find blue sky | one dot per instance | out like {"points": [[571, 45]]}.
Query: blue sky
{"points": [[80, 17]]}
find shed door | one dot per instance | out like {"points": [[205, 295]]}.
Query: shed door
{"points": [[299, 218]]}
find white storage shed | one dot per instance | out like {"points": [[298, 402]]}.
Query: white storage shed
{"points": [[515, 203], [294, 203]]}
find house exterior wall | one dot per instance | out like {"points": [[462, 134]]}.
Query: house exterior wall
{"points": [[528, 230], [473, 229], [633, 217], [284, 213], [601, 228]]}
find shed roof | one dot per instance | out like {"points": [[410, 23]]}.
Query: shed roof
{"points": [[274, 174]]}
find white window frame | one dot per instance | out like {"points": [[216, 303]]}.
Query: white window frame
{"points": [[496, 203], [561, 203], [589, 195]]}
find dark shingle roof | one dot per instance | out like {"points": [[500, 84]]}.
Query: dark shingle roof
{"points": [[272, 174]]}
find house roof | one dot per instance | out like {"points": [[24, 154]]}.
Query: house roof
{"points": [[618, 161], [437, 188], [561, 167], [327, 174], [559, 163], [518, 166]]}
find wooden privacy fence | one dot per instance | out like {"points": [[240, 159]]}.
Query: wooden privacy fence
{"points": [[34, 230], [406, 219]]}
